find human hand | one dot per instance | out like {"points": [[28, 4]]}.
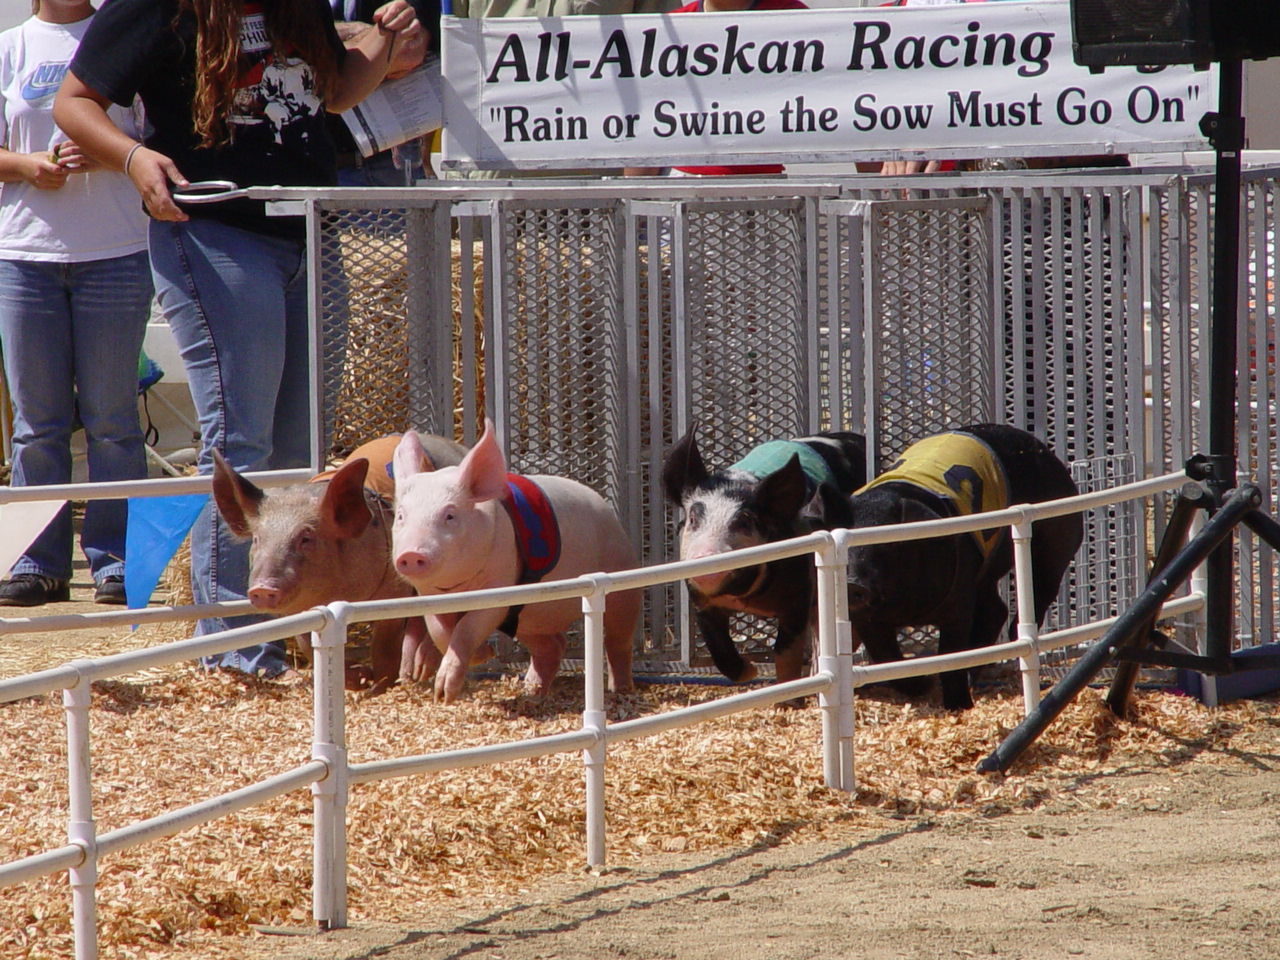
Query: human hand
{"points": [[72, 159], [899, 168], [153, 173], [410, 51], [395, 17], [44, 172]]}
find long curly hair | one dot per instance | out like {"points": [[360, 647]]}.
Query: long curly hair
{"points": [[292, 25]]}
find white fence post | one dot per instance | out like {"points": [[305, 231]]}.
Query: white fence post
{"points": [[1028, 629], [835, 656], [1200, 623], [80, 827], [593, 716], [329, 744]]}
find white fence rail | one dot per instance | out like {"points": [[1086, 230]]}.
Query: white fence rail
{"points": [[330, 773]]}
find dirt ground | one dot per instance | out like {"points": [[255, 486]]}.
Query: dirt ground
{"points": [[1177, 854], [1193, 870]]}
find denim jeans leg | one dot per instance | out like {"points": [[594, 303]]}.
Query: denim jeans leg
{"points": [[110, 304], [230, 297], [377, 171], [35, 338], [291, 437]]}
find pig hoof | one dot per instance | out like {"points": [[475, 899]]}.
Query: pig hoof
{"points": [[747, 673], [535, 689], [380, 686]]}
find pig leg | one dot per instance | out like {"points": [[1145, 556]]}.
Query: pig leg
{"points": [[881, 643], [469, 633], [546, 650], [1054, 543], [419, 657], [423, 648], [621, 614], [981, 629], [384, 650], [714, 624], [792, 642], [382, 670]]}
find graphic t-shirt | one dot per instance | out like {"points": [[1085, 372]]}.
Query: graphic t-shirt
{"points": [[278, 133], [94, 215]]}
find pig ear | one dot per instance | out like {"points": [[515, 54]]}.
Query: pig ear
{"points": [[837, 509], [238, 499], [483, 469], [344, 512], [683, 469], [784, 492], [914, 511], [409, 457]]}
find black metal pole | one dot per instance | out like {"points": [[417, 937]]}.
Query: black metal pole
{"points": [[1144, 609], [1189, 503], [1226, 131], [1265, 527]]}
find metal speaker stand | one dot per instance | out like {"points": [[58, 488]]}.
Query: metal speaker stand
{"points": [[1132, 639]]}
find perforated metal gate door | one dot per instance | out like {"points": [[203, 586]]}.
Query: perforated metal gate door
{"points": [[385, 319], [1183, 296], [603, 324], [558, 352], [729, 341], [1259, 452], [920, 332], [929, 340]]}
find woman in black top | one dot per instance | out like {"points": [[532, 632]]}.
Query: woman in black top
{"points": [[233, 91]]}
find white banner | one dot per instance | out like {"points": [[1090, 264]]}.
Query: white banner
{"points": [[956, 81]]}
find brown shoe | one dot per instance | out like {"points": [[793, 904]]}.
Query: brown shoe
{"points": [[110, 590]]}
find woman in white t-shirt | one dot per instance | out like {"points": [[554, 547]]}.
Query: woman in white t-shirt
{"points": [[75, 294]]}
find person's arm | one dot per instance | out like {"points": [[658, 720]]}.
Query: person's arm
{"points": [[42, 170], [369, 58], [410, 49], [81, 112]]}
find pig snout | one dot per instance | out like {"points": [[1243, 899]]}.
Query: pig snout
{"points": [[708, 584], [859, 595], [412, 564], [861, 587], [265, 595]]}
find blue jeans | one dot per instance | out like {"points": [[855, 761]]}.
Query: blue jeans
{"points": [[237, 304], [71, 334], [377, 171]]}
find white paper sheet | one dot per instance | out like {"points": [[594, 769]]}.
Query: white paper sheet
{"points": [[20, 524], [399, 110]]}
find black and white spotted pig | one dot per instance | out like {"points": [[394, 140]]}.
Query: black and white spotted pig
{"points": [[781, 489]]}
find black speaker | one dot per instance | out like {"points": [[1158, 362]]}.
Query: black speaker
{"points": [[1112, 33]]}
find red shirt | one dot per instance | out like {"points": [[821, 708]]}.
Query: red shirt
{"points": [[752, 169]]}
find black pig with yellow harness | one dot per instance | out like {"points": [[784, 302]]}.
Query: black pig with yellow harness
{"points": [[953, 582]]}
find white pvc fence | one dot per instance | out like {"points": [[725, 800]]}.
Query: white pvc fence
{"points": [[330, 773]]}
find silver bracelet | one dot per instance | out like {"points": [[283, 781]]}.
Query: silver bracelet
{"points": [[129, 156]]}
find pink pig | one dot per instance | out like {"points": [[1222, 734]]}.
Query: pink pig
{"points": [[453, 531]]}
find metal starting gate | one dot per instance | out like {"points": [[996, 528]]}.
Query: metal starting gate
{"points": [[594, 321]]}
